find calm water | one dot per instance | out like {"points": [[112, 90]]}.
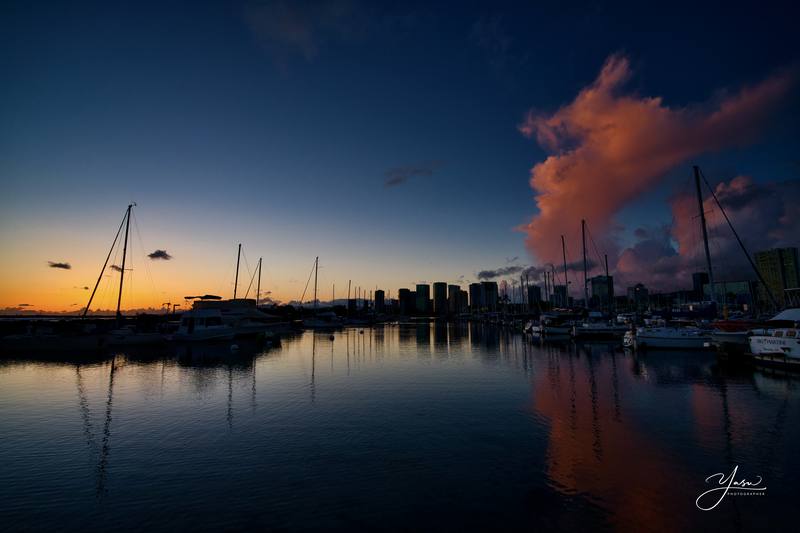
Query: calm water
{"points": [[413, 426]]}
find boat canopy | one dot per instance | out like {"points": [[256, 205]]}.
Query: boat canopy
{"points": [[788, 315]]}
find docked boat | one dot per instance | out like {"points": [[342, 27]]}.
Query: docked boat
{"points": [[130, 336], [203, 325], [324, 320], [730, 337], [550, 325], [242, 315], [670, 337], [778, 343], [596, 327]]}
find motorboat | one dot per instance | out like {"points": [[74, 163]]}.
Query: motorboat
{"points": [[671, 337], [778, 343], [596, 327], [203, 325], [242, 315]]}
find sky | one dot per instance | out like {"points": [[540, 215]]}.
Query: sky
{"points": [[400, 143]]}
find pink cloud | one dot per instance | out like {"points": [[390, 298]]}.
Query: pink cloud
{"points": [[765, 215], [608, 148]]}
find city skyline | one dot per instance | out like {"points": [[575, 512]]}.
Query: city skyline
{"points": [[440, 143]]}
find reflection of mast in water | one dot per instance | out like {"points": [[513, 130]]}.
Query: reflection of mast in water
{"points": [[597, 446], [573, 407], [253, 387], [105, 449], [313, 364], [347, 333], [83, 405], [615, 385], [229, 414]]}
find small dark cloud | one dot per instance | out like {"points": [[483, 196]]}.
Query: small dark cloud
{"points": [[489, 32], [288, 29], [85, 288], [116, 268], [499, 272], [23, 305], [56, 264], [160, 254], [399, 175]]}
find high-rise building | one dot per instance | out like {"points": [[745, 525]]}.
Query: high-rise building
{"points": [[423, 298], [440, 306], [534, 296], [559, 297], [477, 297], [408, 302], [779, 268], [452, 298], [463, 301], [602, 291], [380, 305], [699, 281], [638, 296], [491, 295]]}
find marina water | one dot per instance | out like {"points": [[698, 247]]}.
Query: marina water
{"points": [[410, 426]]}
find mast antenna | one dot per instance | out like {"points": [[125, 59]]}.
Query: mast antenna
{"points": [[124, 254], [585, 269], [236, 281], [100, 277], [705, 231], [741, 244]]}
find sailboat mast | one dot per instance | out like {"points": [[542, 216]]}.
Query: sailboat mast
{"points": [[116, 238], [236, 281], [258, 286], [546, 290], [124, 254], [316, 271], [741, 244], [585, 270], [705, 231]]}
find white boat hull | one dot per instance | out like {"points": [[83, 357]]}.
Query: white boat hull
{"points": [[671, 339], [767, 345]]}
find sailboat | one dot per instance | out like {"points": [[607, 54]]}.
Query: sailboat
{"points": [[81, 335], [676, 336], [325, 320]]}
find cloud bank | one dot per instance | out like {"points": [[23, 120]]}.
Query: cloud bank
{"points": [[608, 148], [765, 215]]}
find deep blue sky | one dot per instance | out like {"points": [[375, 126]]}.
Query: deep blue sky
{"points": [[224, 132]]}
